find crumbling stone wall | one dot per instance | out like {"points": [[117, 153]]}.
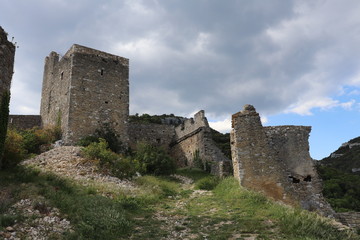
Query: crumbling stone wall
{"points": [[24, 121], [84, 91], [194, 136], [161, 135], [276, 161], [7, 54]]}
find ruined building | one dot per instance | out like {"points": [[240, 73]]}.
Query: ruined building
{"points": [[189, 141], [86, 90], [7, 53], [276, 161]]}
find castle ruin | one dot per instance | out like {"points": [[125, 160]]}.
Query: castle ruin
{"points": [[276, 161], [84, 91], [7, 54]]}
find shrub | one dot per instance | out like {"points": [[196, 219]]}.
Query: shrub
{"points": [[35, 138], [101, 152], [108, 161], [111, 138], [86, 141], [14, 150], [207, 183], [154, 160], [124, 167]]}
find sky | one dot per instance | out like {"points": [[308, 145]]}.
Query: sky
{"points": [[297, 62]]}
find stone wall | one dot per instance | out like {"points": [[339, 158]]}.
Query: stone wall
{"points": [[160, 135], [351, 219], [86, 90], [276, 161], [24, 121], [7, 53], [194, 136]]}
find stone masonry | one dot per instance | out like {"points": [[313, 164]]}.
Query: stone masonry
{"points": [[161, 135], [194, 135], [276, 161], [85, 91], [183, 141], [7, 53], [24, 121]]}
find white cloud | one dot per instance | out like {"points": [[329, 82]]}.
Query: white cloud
{"points": [[223, 126]]}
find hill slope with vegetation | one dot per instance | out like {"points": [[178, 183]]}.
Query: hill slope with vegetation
{"points": [[93, 193], [341, 177]]}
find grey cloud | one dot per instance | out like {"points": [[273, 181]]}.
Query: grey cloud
{"points": [[205, 54]]}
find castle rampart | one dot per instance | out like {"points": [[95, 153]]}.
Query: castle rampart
{"points": [[22, 122], [276, 161], [85, 91], [161, 135]]}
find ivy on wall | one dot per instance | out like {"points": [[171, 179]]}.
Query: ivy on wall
{"points": [[4, 117]]}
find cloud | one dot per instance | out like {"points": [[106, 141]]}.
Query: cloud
{"points": [[280, 56]]}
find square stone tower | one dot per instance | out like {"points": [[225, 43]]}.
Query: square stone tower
{"points": [[85, 91]]}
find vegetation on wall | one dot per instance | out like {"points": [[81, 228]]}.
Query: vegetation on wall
{"points": [[157, 119], [4, 116]]}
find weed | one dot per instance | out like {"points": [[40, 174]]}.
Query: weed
{"points": [[207, 183]]}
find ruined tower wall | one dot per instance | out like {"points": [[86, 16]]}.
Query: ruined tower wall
{"points": [[253, 159], [276, 161], [55, 99], [7, 54], [99, 94], [160, 135], [291, 146], [194, 137], [86, 90]]}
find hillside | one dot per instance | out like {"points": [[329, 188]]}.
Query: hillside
{"points": [[346, 158], [60, 195], [341, 177]]}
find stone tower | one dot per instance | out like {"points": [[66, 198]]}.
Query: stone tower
{"points": [[85, 91]]}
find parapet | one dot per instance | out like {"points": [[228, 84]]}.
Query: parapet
{"points": [[76, 48], [191, 125]]}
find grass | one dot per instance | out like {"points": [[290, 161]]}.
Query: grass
{"points": [[162, 208]]}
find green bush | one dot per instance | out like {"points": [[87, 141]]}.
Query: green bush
{"points": [[100, 151], [86, 141], [110, 162], [154, 160], [207, 183], [14, 151], [124, 167]]}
